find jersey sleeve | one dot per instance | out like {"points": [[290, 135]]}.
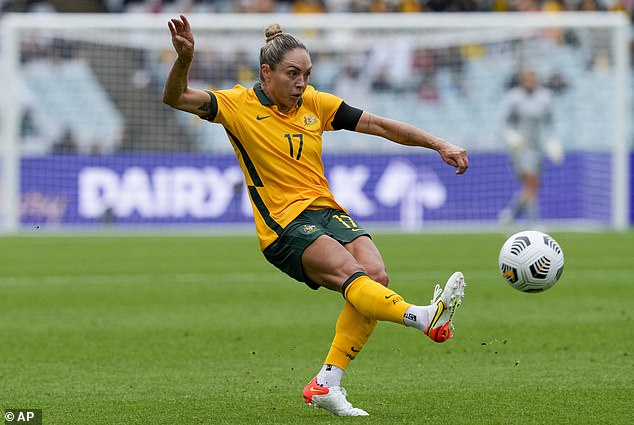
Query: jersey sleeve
{"points": [[328, 106], [224, 105], [212, 110]]}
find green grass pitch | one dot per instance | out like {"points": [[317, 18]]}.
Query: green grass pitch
{"points": [[202, 330]]}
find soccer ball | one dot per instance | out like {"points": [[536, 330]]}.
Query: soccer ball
{"points": [[531, 261]]}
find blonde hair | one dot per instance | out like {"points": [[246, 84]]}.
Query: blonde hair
{"points": [[277, 44]]}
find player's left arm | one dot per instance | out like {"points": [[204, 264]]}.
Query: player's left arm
{"points": [[406, 134]]}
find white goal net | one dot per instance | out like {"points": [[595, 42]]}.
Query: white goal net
{"points": [[87, 143]]}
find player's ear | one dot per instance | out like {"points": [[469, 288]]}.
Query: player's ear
{"points": [[265, 69]]}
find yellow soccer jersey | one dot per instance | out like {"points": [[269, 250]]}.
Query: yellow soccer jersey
{"points": [[280, 154]]}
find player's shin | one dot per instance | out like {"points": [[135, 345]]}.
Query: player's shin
{"points": [[374, 300], [351, 333]]}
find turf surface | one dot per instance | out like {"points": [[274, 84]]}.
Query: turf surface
{"points": [[202, 330]]}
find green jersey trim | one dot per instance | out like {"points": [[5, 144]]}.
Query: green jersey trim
{"points": [[264, 211], [253, 173]]}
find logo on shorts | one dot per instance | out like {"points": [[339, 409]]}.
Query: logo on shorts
{"points": [[309, 228]]}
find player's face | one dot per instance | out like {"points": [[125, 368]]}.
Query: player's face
{"points": [[529, 80], [286, 83]]}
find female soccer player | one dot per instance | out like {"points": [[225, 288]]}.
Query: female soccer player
{"points": [[276, 130], [529, 131]]}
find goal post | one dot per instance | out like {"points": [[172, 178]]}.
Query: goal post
{"points": [[86, 142], [9, 127]]}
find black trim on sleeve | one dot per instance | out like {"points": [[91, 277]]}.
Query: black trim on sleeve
{"points": [[213, 110], [346, 117]]}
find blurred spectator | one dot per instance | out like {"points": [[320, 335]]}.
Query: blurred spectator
{"points": [[557, 83], [33, 142], [451, 59], [244, 72], [410, 6], [308, 6], [553, 6], [453, 5], [500, 6], [31, 6], [382, 81], [527, 6], [391, 58], [66, 144], [349, 84], [424, 65], [28, 128], [589, 6], [381, 6], [256, 6], [595, 41]]}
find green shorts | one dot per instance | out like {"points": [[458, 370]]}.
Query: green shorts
{"points": [[286, 252]]}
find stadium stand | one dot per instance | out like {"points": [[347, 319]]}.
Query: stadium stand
{"points": [[429, 90]]}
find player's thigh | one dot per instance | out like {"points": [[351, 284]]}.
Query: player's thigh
{"points": [[357, 242], [527, 161], [328, 263], [367, 254]]}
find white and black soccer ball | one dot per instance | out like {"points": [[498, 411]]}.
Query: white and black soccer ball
{"points": [[531, 261]]}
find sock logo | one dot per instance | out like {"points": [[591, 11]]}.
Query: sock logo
{"points": [[354, 349], [394, 300], [410, 316]]}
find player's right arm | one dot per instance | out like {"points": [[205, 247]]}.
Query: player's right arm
{"points": [[176, 92], [509, 119]]}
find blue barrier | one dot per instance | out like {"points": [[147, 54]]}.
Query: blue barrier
{"points": [[404, 190]]}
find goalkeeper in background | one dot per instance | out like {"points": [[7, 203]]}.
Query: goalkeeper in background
{"points": [[529, 131], [276, 130]]}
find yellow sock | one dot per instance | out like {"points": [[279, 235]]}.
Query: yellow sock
{"points": [[374, 300], [351, 333]]}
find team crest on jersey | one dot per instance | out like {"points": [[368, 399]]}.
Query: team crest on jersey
{"points": [[309, 228], [310, 120]]}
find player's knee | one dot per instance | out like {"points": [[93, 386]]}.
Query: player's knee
{"points": [[350, 268], [379, 275], [376, 273]]}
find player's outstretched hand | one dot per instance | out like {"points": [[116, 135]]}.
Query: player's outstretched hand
{"points": [[182, 37], [455, 156]]}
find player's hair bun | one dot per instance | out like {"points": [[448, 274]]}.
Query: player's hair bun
{"points": [[272, 31]]}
